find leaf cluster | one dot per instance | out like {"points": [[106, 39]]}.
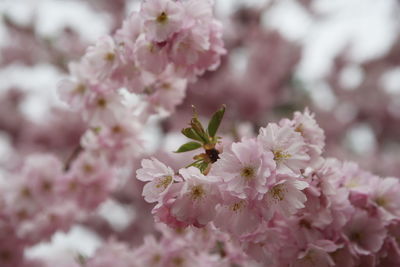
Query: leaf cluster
{"points": [[203, 138]]}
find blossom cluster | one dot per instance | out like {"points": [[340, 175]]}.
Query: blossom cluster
{"points": [[155, 52], [266, 199], [176, 247], [152, 57], [282, 201]]}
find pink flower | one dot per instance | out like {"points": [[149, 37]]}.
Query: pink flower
{"points": [[355, 179], [151, 253], [159, 177], [54, 218], [113, 254], [74, 90], [188, 46], [317, 254], [244, 217], [365, 233], [197, 11], [117, 135], [167, 92], [87, 166], [196, 201], [100, 60], [386, 195], [126, 36], [288, 147], [284, 197], [313, 135], [101, 106], [245, 169], [41, 180], [265, 245], [161, 18], [163, 210], [150, 55]]}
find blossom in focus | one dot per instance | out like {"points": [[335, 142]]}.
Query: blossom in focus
{"points": [[245, 169], [287, 146], [285, 197], [196, 201], [159, 177]]}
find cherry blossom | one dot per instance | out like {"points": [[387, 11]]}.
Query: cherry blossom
{"points": [[161, 18], [246, 169], [287, 145]]}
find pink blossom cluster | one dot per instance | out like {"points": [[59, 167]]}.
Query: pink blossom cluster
{"points": [[189, 246], [152, 57], [269, 199], [43, 199], [282, 201]]}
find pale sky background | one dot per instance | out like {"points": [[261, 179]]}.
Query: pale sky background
{"points": [[368, 25]]}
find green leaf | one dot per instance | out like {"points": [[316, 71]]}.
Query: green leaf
{"points": [[188, 147], [194, 163], [203, 166], [190, 133], [199, 130], [215, 121]]}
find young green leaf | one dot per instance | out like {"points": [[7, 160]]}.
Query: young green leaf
{"points": [[199, 130], [203, 166], [215, 121], [188, 147], [190, 133]]}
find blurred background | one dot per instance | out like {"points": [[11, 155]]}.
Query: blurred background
{"points": [[341, 59]]}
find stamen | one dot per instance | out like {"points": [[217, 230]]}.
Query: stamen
{"points": [[247, 172], [101, 102], [109, 57], [237, 206], [80, 89], [162, 18], [197, 192], [280, 155], [164, 182], [278, 192]]}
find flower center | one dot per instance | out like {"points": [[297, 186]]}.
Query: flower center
{"points": [[166, 86], [237, 206], [80, 89], [26, 192], [109, 57], [162, 18], [197, 192], [87, 168], [178, 261], [164, 182], [380, 201], [355, 236], [247, 172], [47, 186], [116, 129], [352, 183], [156, 258], [278, 192], [299, 129], [280, 155], [101, 102]]}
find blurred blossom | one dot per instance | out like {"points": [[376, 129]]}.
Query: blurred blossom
{"points": [[89, 88]]}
